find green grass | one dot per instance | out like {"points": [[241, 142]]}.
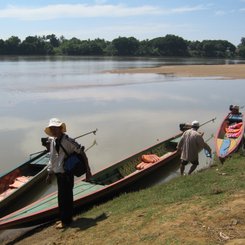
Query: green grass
{"points": [[214, 184]]}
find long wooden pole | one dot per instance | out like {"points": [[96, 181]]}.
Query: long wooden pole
{"points": [[211, 120], [91, 132]]}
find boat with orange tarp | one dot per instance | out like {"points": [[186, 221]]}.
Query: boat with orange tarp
{"points": [[230, 134]]}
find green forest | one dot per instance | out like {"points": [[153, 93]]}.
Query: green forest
{"points": [[169, 45]]}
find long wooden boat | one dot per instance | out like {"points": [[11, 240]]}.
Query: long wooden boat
{"points": [[21, 179], [102, 184], [229, 135]]}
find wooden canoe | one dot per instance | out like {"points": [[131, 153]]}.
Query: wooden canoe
{"points": [[102, 184], [229, 136], [19, 180]]}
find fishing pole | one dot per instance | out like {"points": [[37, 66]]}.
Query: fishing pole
{"points": [[93, 144], [211, 136], [91, 132], [184, 126], [211, 120], [44, 140], [35, 153]]}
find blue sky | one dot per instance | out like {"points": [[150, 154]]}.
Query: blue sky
{"points": [[109, 19]]}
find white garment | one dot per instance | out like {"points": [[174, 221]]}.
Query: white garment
{"points": [[190, 144], [56, 160]]}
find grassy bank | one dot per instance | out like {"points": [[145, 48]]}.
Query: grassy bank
{"points": [[207, 207]]}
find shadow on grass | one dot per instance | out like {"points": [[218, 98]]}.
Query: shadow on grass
{"points": [[85, 223], [81, 223]]}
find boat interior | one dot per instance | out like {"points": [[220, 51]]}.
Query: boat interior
{"points": [[128, 166], [18, 177]]}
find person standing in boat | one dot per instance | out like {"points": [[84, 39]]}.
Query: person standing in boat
{"points": [[65, 181], [190, 144]]}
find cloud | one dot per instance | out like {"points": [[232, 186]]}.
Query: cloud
{"points": [[88, 11], [74, 11], [109, 32], [188, 9], [220, 13], [227, 12]]}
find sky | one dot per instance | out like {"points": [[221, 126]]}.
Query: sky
{"points": [[193, 20]]}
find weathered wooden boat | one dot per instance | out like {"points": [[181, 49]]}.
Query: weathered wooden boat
{"points": [[229, 135], [21, 179], [102, 184]]}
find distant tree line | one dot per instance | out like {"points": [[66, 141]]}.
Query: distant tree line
{"points": [[170, 45]]}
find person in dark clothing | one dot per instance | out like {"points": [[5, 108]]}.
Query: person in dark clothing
{"points": [[65, 181]]}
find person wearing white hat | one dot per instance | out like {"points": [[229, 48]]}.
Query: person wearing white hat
{"points": [[190, 144], [65, 181]]}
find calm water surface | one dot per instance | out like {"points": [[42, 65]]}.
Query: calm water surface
{"points": [[131, 111]]}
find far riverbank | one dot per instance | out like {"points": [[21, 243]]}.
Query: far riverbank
{"points": [[229, 71]]}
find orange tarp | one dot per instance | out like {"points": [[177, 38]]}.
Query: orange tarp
{"points": [[147, 160], [234, 130]]}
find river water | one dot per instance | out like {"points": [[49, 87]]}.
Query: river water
{"points": [[130, 111]]}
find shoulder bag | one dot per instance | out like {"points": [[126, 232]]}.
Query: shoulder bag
{"points": [[75, 163]]}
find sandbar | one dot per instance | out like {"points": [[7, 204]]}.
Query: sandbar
{"points": [[226, 71]]}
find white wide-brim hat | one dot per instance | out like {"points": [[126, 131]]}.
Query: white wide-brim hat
{"points": [[55, 122]]}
